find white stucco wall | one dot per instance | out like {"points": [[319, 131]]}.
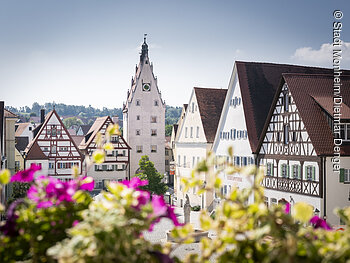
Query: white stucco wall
{"points": [[233, 119], [145, 110], [337, 193]]}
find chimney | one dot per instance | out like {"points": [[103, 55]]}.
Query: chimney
{"points": [[42, 115]]}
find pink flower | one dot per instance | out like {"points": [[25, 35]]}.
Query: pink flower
{"points": [[159, 206], [75, 222], [26, 175], [135, 182], [287, 208], [161, 209], [317, 222], [87, 184], [143, 199]]}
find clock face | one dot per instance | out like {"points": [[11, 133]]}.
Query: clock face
{"points": [[146, 87]]}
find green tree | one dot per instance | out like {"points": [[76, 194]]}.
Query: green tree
{"points": [[69, 122], [168, 129], [149, 172], [19, 190]]}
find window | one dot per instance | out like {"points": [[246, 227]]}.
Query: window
{"points": [[166, 162], [98, 184], [197, 133], [63, 149], [30, 128], [185, 132], [53, 130], [191, 134], [245, 161], [346, 173], [286, 102], [53, 148], [192, 107], [153, 148], [137, 117], [193, 161], [296, 171], [294, 136], [273, 201], [179, 160], [115, 138], [139, 148], [124, 152], [46, 149], [153, 119], [285, 134], [310, 173], [138, 132], [345, 132], [51, 165], [284, 170], [166, 152], [153, 132], [138, 103], [156, 103], [266, 201], [269, 169], [184, 161]]}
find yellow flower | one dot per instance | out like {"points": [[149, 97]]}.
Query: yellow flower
{"points": [[302, 212]]}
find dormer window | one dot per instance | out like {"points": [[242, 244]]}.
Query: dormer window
{"points": [[156, 103], [345, 131]]}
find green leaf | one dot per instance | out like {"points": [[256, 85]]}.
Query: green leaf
{"points": [[5, 176]]}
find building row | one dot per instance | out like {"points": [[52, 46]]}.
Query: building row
{"points": [[289, 119]]}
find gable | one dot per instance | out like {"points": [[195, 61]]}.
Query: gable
{"points": [[286, 133], [191, 121], [53, 140], [100, 126], [232, 128]]}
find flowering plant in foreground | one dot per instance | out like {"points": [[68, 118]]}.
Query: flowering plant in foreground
{"points": [[58, 221]]}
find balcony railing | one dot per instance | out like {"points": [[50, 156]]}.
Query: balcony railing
{"points": [[298, 186]]}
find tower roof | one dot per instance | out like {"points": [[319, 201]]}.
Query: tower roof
{"points": [[144, 49]]}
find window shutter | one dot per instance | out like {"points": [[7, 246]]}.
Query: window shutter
{"points": [[272, 168], [341, 175], [281, 170], [287, 166], [313, 173], [299, 172]]}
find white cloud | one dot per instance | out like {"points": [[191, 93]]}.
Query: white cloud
{"points": [[322, 56]]}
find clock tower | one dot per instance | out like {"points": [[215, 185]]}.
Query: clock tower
{"points": [[144, 116]]}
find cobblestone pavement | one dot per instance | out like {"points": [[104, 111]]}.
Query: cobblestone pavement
{"points": [[158, 235]]}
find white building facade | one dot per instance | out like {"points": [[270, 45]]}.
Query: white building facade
{"points": [[194, 140], [144, 117]]}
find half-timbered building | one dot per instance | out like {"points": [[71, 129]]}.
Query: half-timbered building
{"points": [[305, 149], [116, 164], [54, 149], [251, 91]]}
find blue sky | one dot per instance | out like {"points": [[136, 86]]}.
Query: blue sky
{"points": [[84, 52]]}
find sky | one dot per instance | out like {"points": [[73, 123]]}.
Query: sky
{"points": [[84, 52]]}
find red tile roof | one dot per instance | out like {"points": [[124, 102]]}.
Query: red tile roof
{"points": [[210, 103], [310, 92], [258, 83]]}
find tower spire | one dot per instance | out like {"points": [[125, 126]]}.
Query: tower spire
{"points": [[144, 50]]}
